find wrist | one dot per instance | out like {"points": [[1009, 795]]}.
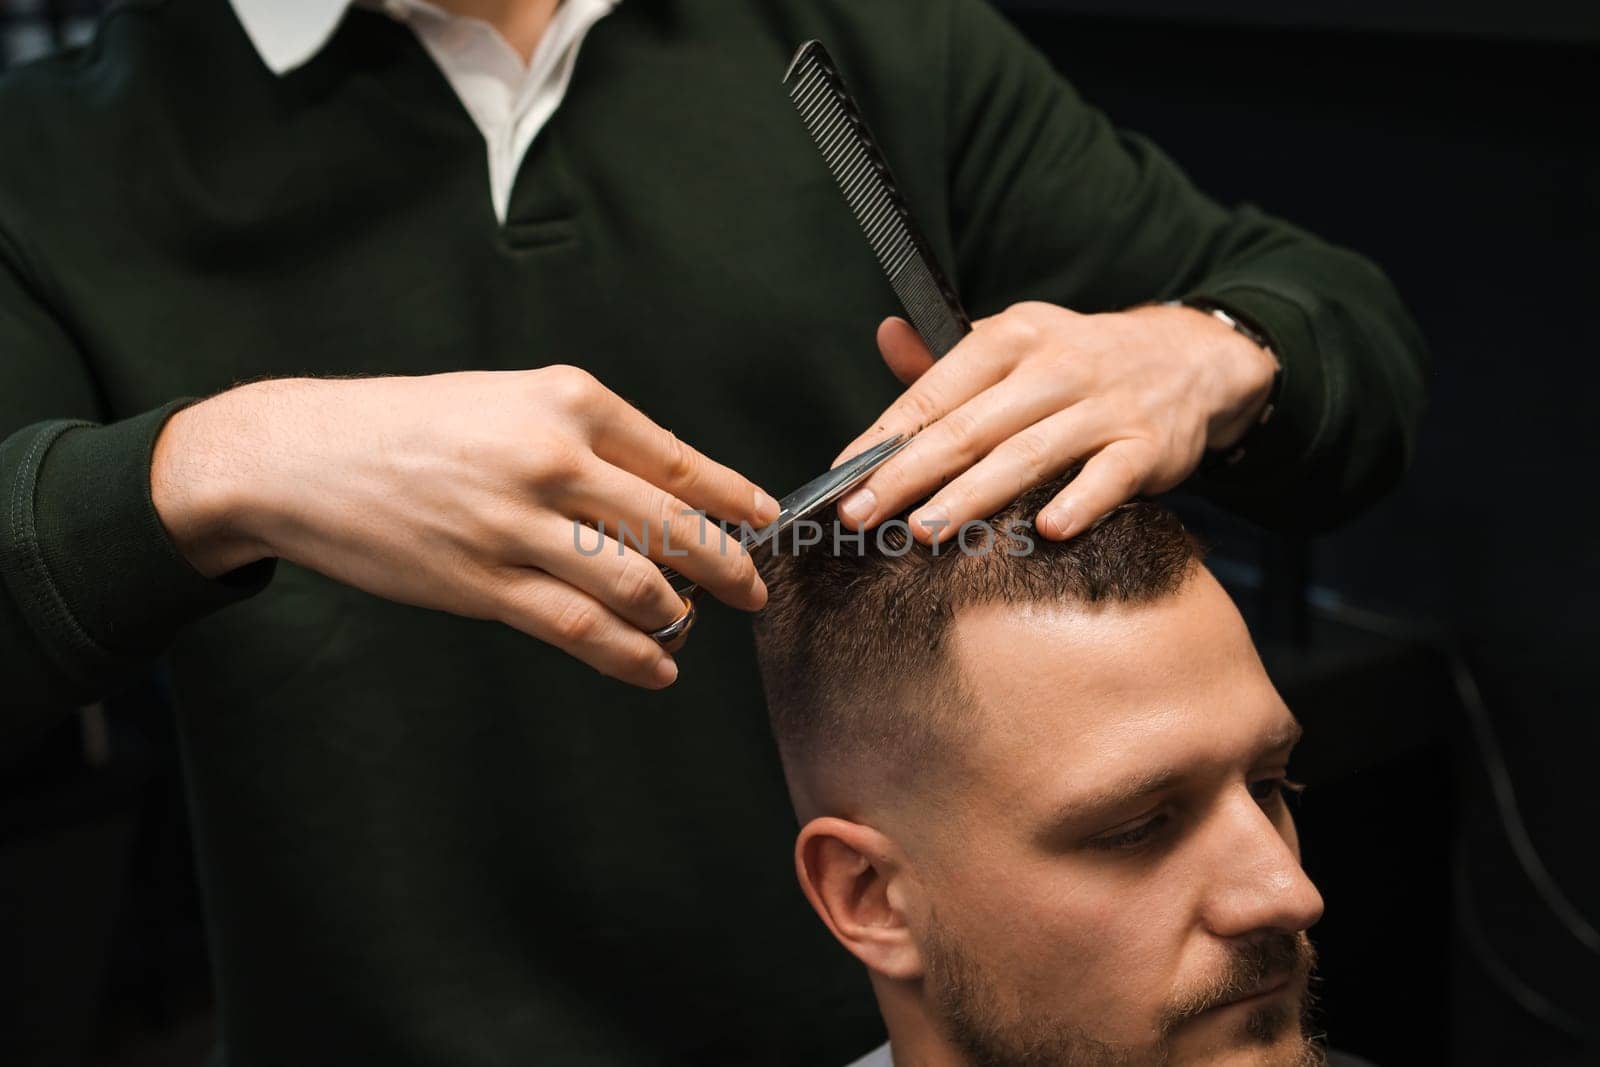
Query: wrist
{"points": [[1242, 369], [200, 488]]}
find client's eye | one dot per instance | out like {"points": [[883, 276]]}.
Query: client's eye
{"points": [[1131, 837], [1271, 790]]}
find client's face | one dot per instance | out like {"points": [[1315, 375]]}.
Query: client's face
{"points": [[1115, 876]]}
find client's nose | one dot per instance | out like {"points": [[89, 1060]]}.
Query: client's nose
{"points": [[1257, 883]]}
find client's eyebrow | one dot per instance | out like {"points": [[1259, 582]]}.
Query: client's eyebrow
{"points": [[1119, 794], [1150, 782]]}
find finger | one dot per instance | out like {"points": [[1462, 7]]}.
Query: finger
{"points": [[549, 609], [674, 646], [959, 440], [1029, 457], [627, 582], [982, 358], [903, 350], [1113, 476], [638, 445], [659, 525]]}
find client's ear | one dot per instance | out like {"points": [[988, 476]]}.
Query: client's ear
{"points": [[858, 881]]}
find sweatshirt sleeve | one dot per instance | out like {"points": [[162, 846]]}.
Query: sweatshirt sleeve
{"points": [[1051, 202], [93, 588]]}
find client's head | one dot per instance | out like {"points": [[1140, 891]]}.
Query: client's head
{"points": [[1042, 788]]}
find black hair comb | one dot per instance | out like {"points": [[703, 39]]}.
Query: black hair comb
{"points": [[862, 174]]}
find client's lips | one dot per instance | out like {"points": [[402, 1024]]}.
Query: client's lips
{"points": [[1271, 987]]}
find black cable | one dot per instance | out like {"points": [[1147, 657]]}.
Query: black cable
{"points": [[1494, 762], [1503, 790], [1500, 973]]}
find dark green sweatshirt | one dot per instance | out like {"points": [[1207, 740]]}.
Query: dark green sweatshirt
{"points": [[429, 840]]}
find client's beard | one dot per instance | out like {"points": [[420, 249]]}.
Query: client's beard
{"points": [[979, 1023]]}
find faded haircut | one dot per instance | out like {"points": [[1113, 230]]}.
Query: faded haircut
{"points": [[853, 642]]}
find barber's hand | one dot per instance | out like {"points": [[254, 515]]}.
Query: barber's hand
{"points": [[462, 492], [1135, 396]]}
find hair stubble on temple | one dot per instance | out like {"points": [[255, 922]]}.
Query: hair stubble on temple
{"points": [[854, 644]]}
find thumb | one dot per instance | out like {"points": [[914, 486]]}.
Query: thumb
{"points": [[903, 350]]}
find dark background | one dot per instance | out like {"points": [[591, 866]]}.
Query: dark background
{"points": [[1454, 144]]}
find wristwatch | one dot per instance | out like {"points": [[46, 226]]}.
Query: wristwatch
{"points": [[1234, 454]]}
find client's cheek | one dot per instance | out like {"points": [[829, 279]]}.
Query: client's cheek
{"points": [[1135, 971], [1112, 987]]}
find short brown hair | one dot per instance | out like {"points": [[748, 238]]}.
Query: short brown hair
{"points": [[853, 643]]}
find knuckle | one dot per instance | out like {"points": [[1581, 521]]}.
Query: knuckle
{"points": [[636, 584], [682, 462], [1043, 313], [570, 387], [576, 623], [678, 523], [663, 510], [961, 430], [1019, 325], [919, 408], [1033, 453]]}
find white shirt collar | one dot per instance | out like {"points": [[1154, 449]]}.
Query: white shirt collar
{"points": [[287, 33], [509, 99], [881, 1056]]}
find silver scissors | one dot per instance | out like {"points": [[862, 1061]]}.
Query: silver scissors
{"points": [[800, 504]]}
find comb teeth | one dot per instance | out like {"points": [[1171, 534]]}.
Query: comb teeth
{"points": [[862, 174]]}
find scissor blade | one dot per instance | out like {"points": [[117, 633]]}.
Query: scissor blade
{"points": [[809, 499], [825, 489]]}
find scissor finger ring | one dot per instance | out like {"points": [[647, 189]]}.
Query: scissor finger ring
{"points": [[679, 626]]}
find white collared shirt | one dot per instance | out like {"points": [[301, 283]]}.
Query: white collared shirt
{"points": [[878, 1057], [509, 101]]}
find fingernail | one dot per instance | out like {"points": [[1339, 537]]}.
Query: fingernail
{"points": [[1059, 522], [766, 507], [934, 520], [666, 670], [857, 507]]}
